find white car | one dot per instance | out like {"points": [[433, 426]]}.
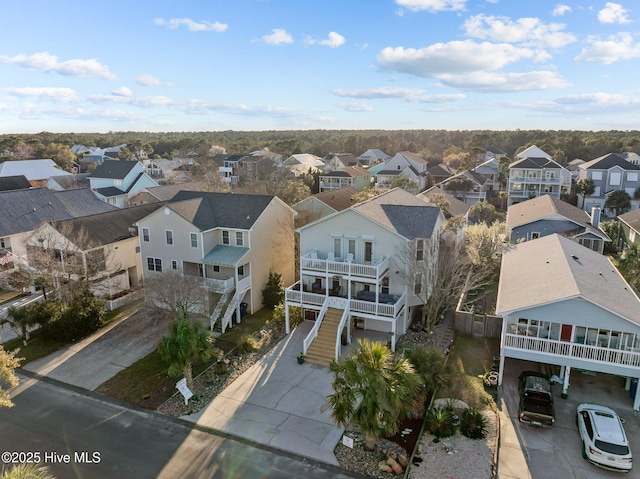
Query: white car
{"points": [[604, 442]]}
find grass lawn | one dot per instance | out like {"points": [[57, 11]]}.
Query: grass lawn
{"points": [[40, 346], [470, 358], [145, 383]]}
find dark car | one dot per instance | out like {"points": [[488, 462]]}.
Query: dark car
{"points": [[536, 399]]}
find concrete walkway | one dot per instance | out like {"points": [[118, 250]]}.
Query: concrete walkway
{"points": [[280, 403]]}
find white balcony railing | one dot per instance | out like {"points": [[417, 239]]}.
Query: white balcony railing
{"points": [[344, 268], [573, 350]]}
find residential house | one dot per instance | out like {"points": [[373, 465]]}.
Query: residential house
{"points": [[339, 161], [156, 194], [574, 168], [629, 230], [354, 176], [365, 267], [471, 194], [493, 153], [17, 182], [115, 182], [566, 305], [440, 173], [610, 173], [231, 241], [228, 166], [37, 172], [535, 173], [546, 215], [106, 243], [68, 182], [260, 165], [455, 207], [371, 156], [301, 164], [322, 204], [403, 165], [631, 157], [24, 211]]}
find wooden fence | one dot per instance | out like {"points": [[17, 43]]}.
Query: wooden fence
{"points": [[478, 325]]}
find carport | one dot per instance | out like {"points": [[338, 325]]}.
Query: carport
{"points": [[566, 305]]}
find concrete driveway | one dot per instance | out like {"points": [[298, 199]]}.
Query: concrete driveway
{"points": [[97, 358], [556, 452], [280, 403]]}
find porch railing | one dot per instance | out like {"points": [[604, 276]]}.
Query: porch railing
{"points": [[343, 267], [574, 350]]}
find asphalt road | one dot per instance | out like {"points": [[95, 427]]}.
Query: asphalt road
{"points": [[101, 438]]}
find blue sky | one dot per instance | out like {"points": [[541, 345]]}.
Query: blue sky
{"points": [[98, 66]]}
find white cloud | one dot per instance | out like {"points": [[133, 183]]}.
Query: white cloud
{"points": [[452, 58], [120, 96], [149, 80], [334, 40], [528, 31], [616, 47], [357, 106], [560, 9], [122, 91], [278, 36], [432, 5], [60, 95], [46, 62], [588, 103], [613, 13], [505, 82], [192, 26], [381, 92]]}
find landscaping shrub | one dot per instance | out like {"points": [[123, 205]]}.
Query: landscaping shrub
{"points": [[440, 422], [295, 315], [273, 293], [248, 344], [473, 424], [84, 315]]}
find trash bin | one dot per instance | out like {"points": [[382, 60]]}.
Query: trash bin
{"points": [[634, 388], [243, 309]]}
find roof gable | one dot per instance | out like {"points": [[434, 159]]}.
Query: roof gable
{"points": [[534, 152], [608, 161], [114, 169]]}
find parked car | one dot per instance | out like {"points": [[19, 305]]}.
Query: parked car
{"points": [[536, 399], [604, 442]]}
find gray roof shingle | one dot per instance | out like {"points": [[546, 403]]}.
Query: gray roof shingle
{"points": [[113, 169]]}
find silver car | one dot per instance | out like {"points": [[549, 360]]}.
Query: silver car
{"points": [[604, 442]]}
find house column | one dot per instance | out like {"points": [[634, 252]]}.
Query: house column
{"points": [[565, 382], [636, 400], [393, 335], [287, 324], [501, 368]]}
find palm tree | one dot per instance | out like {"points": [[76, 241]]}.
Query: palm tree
{"points": [[27, 471], [20, 320], [430, 363], [585, 187], [188, 342], [374, 389], [619, 201]]}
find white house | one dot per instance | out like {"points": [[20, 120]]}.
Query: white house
{"points": [[566, 305], [116, 182], [365, 267], [403, 165]]}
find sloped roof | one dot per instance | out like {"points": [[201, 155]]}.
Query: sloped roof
{"points": [[110, 191], [31, 169], [108, 227], [207, 210], [349, 172], [67, 182], [495, 150], [27, 210], [415, 157], [534, 152], [545, 206], [607, 161], [401, 212], [225, 255], [17, 182], [532, 162], [373, 154], [306, 159], [440, 170], [166, 192], [552, 269], [339, 199], [456, 207], [113, 169], [632, 218]]}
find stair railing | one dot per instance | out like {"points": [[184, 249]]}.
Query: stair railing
{"points": [[345, 317], [313, 334]]}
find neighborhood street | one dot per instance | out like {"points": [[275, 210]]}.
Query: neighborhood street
{"points": [[101, 438]]}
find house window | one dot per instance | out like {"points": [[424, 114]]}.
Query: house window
{"points": [[239, 238], [137, 249], [194, 239], [240, 270], [337, 247], [549, 175], [535, 235], [368, 251], [216, 268], [385, 285], [117, 182], [596, 175], [351, 246], [200, 270], [225, 237], [417, 283], [2, 243], [154, 264], [174, 264], [398, 167], [169, 235], [615, 178], [632, 176], [145, 235], [419, 250]]}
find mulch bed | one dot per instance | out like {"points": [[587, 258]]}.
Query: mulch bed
{"points": [[409, 440]]}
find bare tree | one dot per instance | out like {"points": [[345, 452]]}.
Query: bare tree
{"points": [[485, 245], [174, 294]]}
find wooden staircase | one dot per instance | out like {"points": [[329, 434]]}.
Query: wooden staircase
{"points": [[323, 349]]}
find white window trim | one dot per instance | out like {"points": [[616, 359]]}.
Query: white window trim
{"points": [[191, 236], [240, 235], [148, 235], [168, 233]]}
